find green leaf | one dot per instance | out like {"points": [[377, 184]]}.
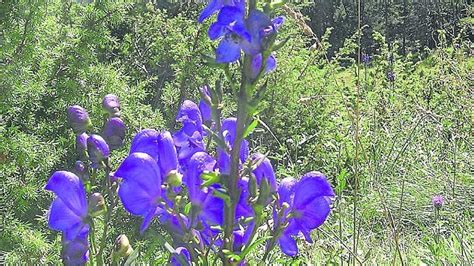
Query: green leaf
{"points": [[210, 178], [255, 243], [132, 258], [250, 128]]}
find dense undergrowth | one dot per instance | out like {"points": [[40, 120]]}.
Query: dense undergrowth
{"points": [[415, 129]]}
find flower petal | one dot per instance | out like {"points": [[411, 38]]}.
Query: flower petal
{"points": [[288, 245], [168, 158], [211, 8], [146, 141], [311, 186], [314, 213], [213, 210], [228, 50], [61, 218], [70, 189], [286, 189], [264, 171]]}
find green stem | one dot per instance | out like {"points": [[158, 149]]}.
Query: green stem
{"points": [[111, 196]]}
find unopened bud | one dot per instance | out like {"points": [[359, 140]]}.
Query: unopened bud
{"points": [[81, 144], [80, 170], [114, 132], [253, 186], [174, 178], [97, 205], [78, 119], [111, 104], [122, 246], [97, 149]]}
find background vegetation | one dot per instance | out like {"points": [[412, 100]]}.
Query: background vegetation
{"points": [[415, 136]]}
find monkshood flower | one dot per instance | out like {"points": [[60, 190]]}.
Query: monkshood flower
{"points": [[216, 5], [81, 144], [78, 119], [140, 190], [111, 104], [189, 139], [229, 128], [114, 132], [437, 201], [210, 208], [204, 107], [309, 201], [264, 170], [180, 257], [98, 150], [76, 251], [68, 211], [160, 146]]}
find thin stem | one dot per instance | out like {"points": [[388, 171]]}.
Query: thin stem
{"points": [[356, 136], [111, 196]]}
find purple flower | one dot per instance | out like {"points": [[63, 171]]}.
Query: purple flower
{"points": [[160, 146], [309, 201], [68, 211], [76, 251], [78, 118], [204, 107], [189, 138], [81, 144], [114, 132], [98, 150], [140, 190], [264, 170], [365, 59], [229, 128], [438, 201], [111, 104], [180, 257], [216, 5], [210, 208]]}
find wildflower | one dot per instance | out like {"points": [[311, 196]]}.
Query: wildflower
{"points": [[76, 251], [180, 257], [114, 132], [97, 149], [365, 59], [81, 144], [111, 104], [309, 206], [189, 139], [160, 146], [229, 128], [437, 201], [216, 5], [78, 119], [68, 211], [140, 190], [264, 170], [204, 107], [210, 207]]}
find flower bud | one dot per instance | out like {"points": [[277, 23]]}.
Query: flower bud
{"points": [[114, 132], [174, 178], [81, 145], [253, 186], [80, 169], [111, 104], [78, 119], [97, 205], [97, 149], [122, 246]]}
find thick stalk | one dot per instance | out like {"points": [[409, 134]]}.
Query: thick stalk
{"points": [[232, 184]]}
